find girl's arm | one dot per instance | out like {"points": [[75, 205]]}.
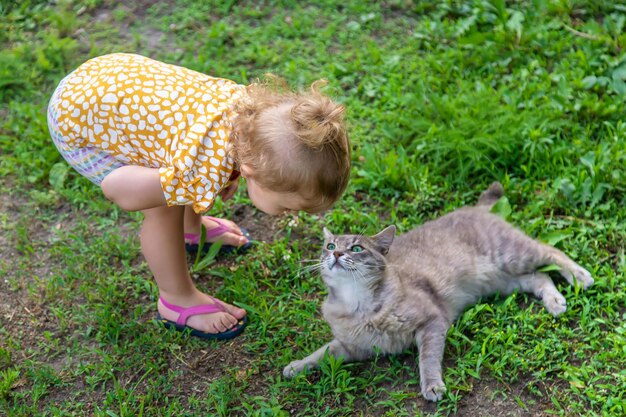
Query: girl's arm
{"points": [[134, 188]]}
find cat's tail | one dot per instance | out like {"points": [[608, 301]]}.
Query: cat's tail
{"points": [[492, 194]]}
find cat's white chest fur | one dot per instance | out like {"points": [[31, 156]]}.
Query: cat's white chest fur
{"points": [[349, 310], [351, 294]]}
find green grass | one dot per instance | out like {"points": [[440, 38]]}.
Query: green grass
{"points": [[442, 97]]}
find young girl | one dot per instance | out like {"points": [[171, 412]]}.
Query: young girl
{"points": [[167, 140]]}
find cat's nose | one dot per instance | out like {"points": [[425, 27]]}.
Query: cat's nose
{"points": [[337, 254]]}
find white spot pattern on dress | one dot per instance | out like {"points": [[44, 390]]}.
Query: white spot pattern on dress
{"points": [[145, 112]]}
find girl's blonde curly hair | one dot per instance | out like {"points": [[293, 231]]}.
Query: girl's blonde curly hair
{"points": [[294, 141]]}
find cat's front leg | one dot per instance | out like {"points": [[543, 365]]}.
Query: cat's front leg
{"points": [[431, 341], [334, 348]]}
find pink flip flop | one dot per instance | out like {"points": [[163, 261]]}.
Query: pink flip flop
{"points": [[186, 312], [192, 240]]}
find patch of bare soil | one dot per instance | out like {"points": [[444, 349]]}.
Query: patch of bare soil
{"points": [[131, 26], [262, 227], [490, 398], [19, 313], [23, 316]]}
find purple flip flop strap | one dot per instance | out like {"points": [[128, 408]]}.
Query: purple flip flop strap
{"points": [[186, 312], [221, 228]]}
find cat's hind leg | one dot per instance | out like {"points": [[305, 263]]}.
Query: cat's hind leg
{"points": [[570, 270], [541, 285], [334, 348], [516, 254]]}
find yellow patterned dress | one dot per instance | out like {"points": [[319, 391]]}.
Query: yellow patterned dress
{"points": [[125, 109]]}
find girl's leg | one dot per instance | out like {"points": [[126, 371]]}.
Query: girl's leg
{"points": [[163, 247], [193, 222]]}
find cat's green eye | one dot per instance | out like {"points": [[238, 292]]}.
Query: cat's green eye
{"points": [[331, 246], [357, 248]]}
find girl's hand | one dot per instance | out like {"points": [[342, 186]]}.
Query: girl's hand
{"points": [[228, 192]]}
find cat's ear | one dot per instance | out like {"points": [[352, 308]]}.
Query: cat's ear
{"points": [[327, 234], [384, 239]]}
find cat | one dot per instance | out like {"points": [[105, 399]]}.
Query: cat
{"points": [[387, 292]]}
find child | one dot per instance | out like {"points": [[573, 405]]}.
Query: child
{"points": [[167, 140]]}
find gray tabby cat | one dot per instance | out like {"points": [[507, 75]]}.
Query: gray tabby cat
{"points": [[388, 293]]}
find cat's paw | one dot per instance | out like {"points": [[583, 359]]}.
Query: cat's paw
{"points": [[433, 391], [293, 369], [555, 303], [580, 275], [583, 277]]}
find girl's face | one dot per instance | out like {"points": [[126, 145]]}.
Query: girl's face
{"points": [[273, 202]]}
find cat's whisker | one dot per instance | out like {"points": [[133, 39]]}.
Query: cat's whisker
{"points": [[314, 268], [317, 262], [362, 232], [309, 268], [360, 273]]}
